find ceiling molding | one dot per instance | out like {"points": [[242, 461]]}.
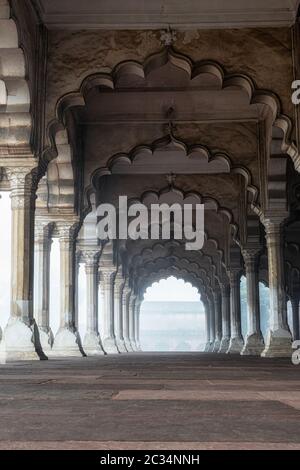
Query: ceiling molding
{"points": [[157, 14]]}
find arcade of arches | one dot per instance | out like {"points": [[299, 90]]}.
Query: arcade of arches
{"points": [[183, 116]]}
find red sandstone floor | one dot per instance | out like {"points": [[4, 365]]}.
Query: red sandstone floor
{"points": [[160, 401]]}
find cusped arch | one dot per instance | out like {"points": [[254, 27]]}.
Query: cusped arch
{"points": [[15, 102], [194, 70]]}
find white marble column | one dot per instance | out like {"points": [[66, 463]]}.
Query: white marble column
{"points": [[125, 312], [207, 322], [118, 311], [67, 341], [212, 326], [43, 242], [92, 343], [225, 293], [236, 340], [218, 320], [20, 339], [138, 304], [295, 309], [132, 311], [254, 343], [107, 275], [279, 340]]}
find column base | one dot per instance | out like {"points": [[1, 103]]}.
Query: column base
{"points": [[216, 346], [235, 345], [224, 345], [92, 344], [128, 345], [254, 345], [109, 346], [66, 344], [278, 344], [133, 345], [18, 343], [121, 346], [46, 339]]}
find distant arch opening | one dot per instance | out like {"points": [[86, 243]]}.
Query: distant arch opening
{"points": [[172, 317]]}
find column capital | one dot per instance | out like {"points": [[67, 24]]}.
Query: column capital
{"points": [[42, 230], [234, 275], [225, 290], [273, 221], [66, 229], [250, 255], [107, 275], [90, 257], [21, 181]]}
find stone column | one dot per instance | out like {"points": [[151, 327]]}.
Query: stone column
{"points": [[132, 311], [236, 340], [67, 341], [107, 275], [76, 285], [92, 344], [137, 323], [218, 320], [43, 242], [207, 323], [279, 341], [225, 292], [125, 312], [118, 312], [254, 343], [20, 338], [212, 323], [295, 308]]}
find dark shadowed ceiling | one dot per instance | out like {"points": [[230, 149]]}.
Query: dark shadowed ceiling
{"points": [[128, 14]]}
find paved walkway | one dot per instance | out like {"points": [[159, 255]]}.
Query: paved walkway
{"points": [[151, 401]]}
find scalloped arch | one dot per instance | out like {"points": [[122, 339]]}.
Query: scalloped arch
{"points": [[105, 79]]}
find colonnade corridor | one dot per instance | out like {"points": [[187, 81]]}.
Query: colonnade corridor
{"points": [[151, 401], [149, 224]]}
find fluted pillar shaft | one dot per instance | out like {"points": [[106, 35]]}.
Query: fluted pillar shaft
{"points": [[254, 343], [279, 340], [132, 302], [218, 320], [295, 310], [20, 341], [118, 312], [125, 312], [207, 322], [236, 340], [107, 275], [137, 323], [67, 340], [43, 242], [212, 326], [92, 344], [225, 293]]}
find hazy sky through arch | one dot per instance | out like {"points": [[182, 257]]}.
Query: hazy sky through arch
{"points": [[171, 290]]}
